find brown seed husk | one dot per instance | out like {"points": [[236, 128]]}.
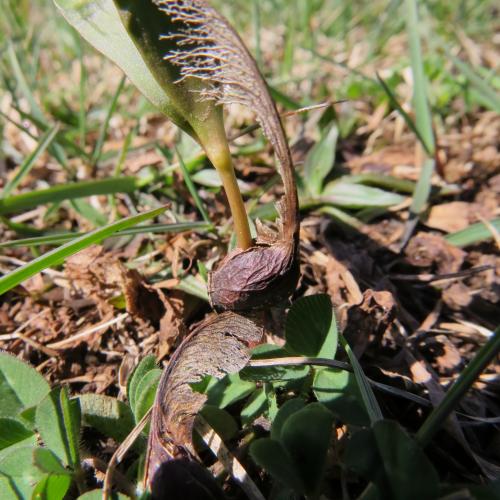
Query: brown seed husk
{"points": [[220, 345], [256, 278]]}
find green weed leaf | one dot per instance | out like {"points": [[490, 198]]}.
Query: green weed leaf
{"points": [[145, 365], [255, 407], [109, 416], [274, 459], [387, 456], [12, 431], [319, 162], [58, 422], [47, 462], [287, 409], [17, 465], [339, 392], [306, 437], [311, 329], [53, 487], [226, 391], [355, 196], [21, 386], [146, 392], [7, 489]]}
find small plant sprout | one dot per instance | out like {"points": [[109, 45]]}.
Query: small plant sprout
{"points": [[209, 50], [133, 35], [189, 62]]}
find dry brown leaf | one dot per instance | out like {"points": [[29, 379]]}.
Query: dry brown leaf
{"points": [[457, 296], [368, 321], [384, 161], [428, 250], [451, 217]]}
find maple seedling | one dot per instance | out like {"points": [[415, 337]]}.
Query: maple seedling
{"points": [[188, 61], [141, 40]]}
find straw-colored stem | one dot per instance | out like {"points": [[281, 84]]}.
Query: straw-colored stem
{"points": [[217, 150]]}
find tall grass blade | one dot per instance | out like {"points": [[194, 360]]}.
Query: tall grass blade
{"points": [[369, 399], [423, 187], [82, 117], [406, 117], [53, 239], [458, 390], [26, 201], [192, 189], [22, 84], [96, 155], [30, 161], [35, 109], [59, 254], [476, 233], [420, 102], [489, 97]]}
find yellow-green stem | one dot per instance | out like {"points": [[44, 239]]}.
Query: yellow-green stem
{"points": [[217, 150]]}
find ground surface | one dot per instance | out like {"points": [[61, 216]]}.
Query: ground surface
{"points": [[414, 314]]}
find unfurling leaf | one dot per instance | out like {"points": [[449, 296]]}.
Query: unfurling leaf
{"points": [[145, 365]]}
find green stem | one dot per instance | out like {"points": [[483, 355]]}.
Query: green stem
{"points": [[217, 149]]}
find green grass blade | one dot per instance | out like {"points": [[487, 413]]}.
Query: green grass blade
{"points": [[53, 239], [192, 189], [96, 155], [286, 101], [22, 84], [82, 115], [476, 233], [369, 399], [96, 217], [339, 215], [60, 139], [35, 109], [256, 21], [489, 97], [22, 229], [423, 187], [438, 416], [420, 101], [26, 201], [406, 117], [30, 161], [59, 254]]}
